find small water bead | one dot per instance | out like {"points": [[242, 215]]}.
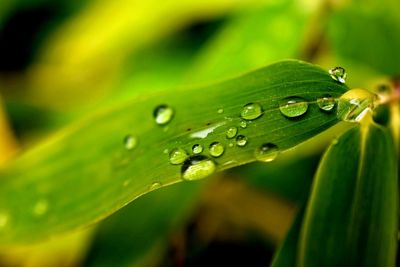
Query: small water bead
{"points": [[251, 111], [197, 167], [241, 140], [231, 132], [155, 185], [177, 156], [216, 149], [130, 142], [293, 107], [197, 149], [40, 207], [338, 74], [163, 114], [267, 152], [326, 103], [354, 104], [220, 111], [243, 124]]}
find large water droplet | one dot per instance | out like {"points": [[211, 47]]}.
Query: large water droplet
{"points": [[197, 148], [292, 107], [267, 152], [354, 104], [163, 114], [3, 220], [197, 167], [216, 149], [338, 74], [241, 140], [231, 132], [177, 156], [41, 207], [251, 111], [130, 142], [326, 103]]}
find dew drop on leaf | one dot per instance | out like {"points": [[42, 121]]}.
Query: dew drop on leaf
{"points": [[231, 132], [197, 149], [155, 185], [243, 124], [220, 111], [197, 167], [338, 74], [177, 156], [163, 114], [354, 104], [130, 142], [241, 140], [251, 111], [326, 103], [267, 152], [293, 107], [216, 149]]}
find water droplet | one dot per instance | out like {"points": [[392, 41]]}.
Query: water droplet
{"points": [[267, 152], [230, 144], [326, 103], [220, 111], [165, 151], [130, 142], [41, 207], [251, 111], [231, 132], [354, 104], [3, 220], [197, 148], [241, 140], [177, 156], [338, 74], [155, 185], [197, 167], [243, 124], [216, 149], [292, 107], [163, 114]]}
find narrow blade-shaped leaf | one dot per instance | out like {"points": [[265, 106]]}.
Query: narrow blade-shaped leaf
{"points": [[87, 171], [351, 218]]}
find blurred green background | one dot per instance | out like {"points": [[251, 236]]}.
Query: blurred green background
{"points": [[61, 60]]}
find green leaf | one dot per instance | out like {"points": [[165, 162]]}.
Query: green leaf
{"points": [[351, 218], [85, 173], [287, 254]]}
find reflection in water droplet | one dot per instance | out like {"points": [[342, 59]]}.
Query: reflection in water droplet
{"points": [[231, 132], [3, 220], [266, 152], [354, 104], [243, 124], [338, 74], [177, 156], [220, 111], [40, 207], [292, 107], [241, 140], [251, 111], [326, 103], [130, 142], [197, 167], [163, 114], [197, 149], [216, 149], [155, 185]]}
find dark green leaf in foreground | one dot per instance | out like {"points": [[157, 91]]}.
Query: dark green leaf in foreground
{"points": [[101, 164], [351, 218]]}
